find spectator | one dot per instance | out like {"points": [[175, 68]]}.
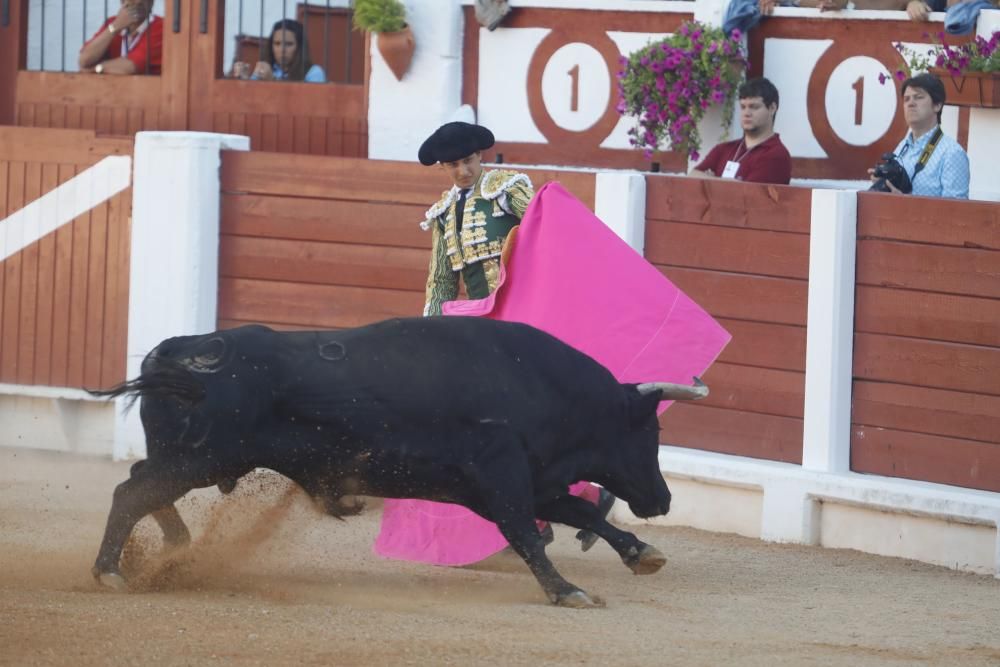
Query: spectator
{"points": [[936, 164], [131, 42], [285, 57], [759, 157]]}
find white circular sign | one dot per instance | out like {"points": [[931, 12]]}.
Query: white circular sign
{"points": [[860, 109], [576, 86]]}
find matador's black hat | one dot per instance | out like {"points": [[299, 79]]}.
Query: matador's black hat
{"points": [[454, 141]]}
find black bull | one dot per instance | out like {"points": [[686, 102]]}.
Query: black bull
{"points": [[496, 416]]}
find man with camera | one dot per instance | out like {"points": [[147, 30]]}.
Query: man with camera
{"points": [[926, 162]]}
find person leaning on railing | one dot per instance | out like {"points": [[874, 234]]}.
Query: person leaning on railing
{"points": [[131, 42], [285, 57]]}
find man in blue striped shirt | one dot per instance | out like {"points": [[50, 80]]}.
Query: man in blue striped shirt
{"points": [[936, 164]]}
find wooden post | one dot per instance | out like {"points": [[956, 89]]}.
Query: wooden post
{"points": [[13, 40]]}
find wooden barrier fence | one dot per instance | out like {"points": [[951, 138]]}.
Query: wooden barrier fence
{"points": [[64, 298], [742, 252], [926, 397], [320, 242]]}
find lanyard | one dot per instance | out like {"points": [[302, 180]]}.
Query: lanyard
{"points": [[128, 43], [925, 156]]}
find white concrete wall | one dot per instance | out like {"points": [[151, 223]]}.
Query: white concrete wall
{"points": [[401, 114]]}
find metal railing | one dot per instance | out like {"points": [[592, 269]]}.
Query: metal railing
{"points": [[58, 29], [330, 41]]}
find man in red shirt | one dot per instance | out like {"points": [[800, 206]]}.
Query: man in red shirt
{"points": [[129, 43], [759, 157]]}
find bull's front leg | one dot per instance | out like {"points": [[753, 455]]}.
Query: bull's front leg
{"points": [[148, 490], [638, 556], [508, 501]]}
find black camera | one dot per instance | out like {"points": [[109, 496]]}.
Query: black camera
{"points": [[892, 171]]}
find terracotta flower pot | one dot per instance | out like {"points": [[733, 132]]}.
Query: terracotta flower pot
{"points": [[972, 89], [397, 50]]}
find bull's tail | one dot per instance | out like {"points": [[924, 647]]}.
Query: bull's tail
{"points": [[160, 377]]}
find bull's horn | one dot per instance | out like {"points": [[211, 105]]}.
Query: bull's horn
{"points": [[676, 392]]}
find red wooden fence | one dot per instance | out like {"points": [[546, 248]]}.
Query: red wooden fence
{"points": [[320, 242], [742, 252], [927, 341], [64, 298]]}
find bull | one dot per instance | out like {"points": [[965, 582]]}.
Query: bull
{"points": [[496, 416]]}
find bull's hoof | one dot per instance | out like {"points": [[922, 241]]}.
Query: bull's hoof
{"points": [[647, 560], [588, 538], [112, 580], [579, 600]]}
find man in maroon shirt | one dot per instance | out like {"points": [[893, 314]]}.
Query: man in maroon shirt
{"points": [[131, 42], [759, 157]]}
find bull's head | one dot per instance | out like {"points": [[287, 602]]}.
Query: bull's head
{"points": [[637, 478]]}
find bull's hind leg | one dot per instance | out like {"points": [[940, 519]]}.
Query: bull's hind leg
{"points": [[148, 490], [508, 502], [175, 531], [640, 557]]}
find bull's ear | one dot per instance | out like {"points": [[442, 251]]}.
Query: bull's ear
{"points": [[642, 406]]}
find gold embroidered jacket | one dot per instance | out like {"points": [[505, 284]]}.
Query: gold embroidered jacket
{"points": [[495, 205]]}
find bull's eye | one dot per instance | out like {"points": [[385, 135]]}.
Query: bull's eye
{"points": [[209, 358]]}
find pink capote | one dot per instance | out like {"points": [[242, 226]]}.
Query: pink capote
{"points": [[571, 276]]}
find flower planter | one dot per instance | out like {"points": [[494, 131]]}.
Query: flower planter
{"points": [[972, 89], [397, 50]]}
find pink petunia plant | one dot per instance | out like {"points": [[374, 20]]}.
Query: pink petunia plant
{"points": [[979, 55], [668, 85]]}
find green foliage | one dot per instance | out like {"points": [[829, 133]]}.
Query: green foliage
{"points": [[379, 15]]}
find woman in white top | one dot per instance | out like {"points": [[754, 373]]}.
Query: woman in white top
{"points": [[284, 57]]}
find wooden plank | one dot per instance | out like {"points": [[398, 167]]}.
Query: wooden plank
{"points": [[743, 297], [119, 120], [761, 390], [946, 317], [326, 177], [116, 362], [965, 463], [273, 98], [87, 90], [752, 251], [317, 136], [76, 351], [103, 125], [62, 304], [220, 122], [765, 345], [324, 220], [730, 204], [301, 133], [113, 348], [232, 324], [924, 363], [58, 117], [380, 267], [96, 268], [922, 410], [968, 224], [966, 271], [313, 306], [13, 284], [46, 288], [335, 136], [68, 146], [732, 432], [286, 134], [269, 133], [28, 328]]}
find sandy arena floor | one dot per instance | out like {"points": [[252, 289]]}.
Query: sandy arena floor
{"points": [[269, 581]]}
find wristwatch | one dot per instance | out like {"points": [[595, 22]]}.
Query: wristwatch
{"points": [[111, 29], [99, 69]]}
